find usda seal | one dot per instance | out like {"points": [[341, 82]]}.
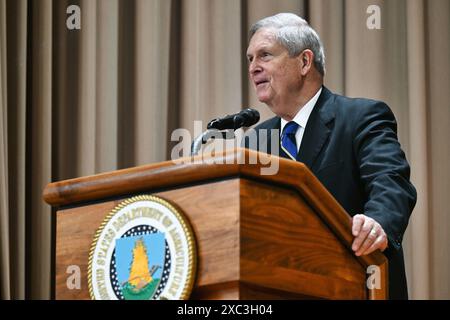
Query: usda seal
{"points": [[144, 249]]}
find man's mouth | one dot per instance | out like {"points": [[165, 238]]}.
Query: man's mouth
{"points": [[260, 82]]}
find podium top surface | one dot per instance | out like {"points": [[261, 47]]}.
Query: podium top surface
{"points": [[192, 170]]}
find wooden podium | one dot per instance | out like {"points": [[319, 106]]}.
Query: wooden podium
{"points": [[258, 236]]}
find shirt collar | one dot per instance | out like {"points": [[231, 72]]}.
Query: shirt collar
{"points": [[301, 118]]}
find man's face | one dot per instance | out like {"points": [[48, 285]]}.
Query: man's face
{"points": [[275, 75]]}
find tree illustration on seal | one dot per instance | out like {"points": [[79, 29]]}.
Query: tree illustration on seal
{"points": [[140, 284]]}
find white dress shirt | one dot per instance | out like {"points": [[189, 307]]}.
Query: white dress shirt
{"points": [[301, 118]]}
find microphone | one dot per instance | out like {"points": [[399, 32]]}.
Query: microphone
{"points": [[245, 118]]}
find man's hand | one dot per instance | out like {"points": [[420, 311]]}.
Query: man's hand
{"points": [[369, 235]]}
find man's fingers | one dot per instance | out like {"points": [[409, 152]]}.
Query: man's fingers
{"points": [[357, 223], [371, 238], [369, 235], [362, 235], [380, 243]]}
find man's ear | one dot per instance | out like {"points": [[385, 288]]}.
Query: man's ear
{"points": [[306, 61]]}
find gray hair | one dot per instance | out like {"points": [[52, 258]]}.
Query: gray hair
{"points": [[295, 34]]}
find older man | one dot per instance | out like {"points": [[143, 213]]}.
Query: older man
{"points": [[350, 145]]}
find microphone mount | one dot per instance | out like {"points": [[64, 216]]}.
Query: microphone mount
{"points": [[208, 134]]}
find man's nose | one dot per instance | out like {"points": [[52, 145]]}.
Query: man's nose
{"points": [[254, 68]]}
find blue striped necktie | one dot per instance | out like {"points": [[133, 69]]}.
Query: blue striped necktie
{"points": [[288, 142]]}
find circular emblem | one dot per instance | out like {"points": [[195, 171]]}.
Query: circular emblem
{"points": [[143, 250]]}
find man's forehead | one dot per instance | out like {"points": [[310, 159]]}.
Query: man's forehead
{"points": [[261, 39]]}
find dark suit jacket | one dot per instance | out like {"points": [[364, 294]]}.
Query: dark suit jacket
{"points": [[351, 146]]}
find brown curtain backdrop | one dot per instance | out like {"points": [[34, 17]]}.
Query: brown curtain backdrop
{"points": [[108, 96]]}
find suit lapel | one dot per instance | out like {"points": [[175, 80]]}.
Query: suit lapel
{"points": [[316, 131], [275, 124], [265, 140]]}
